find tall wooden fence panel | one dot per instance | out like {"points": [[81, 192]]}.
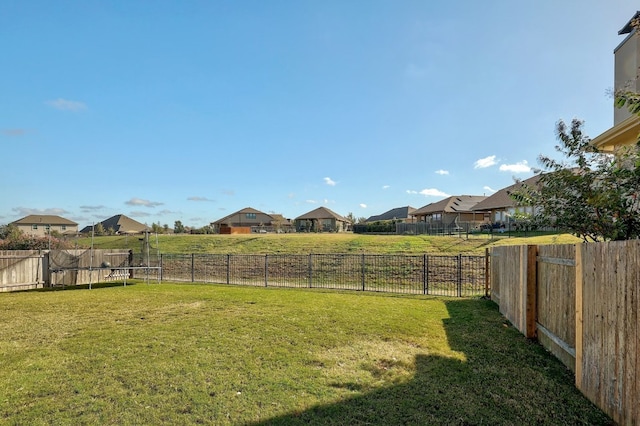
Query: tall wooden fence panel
{"points": [[556, 289], [585, 311], [607, 365], [21, 270], [509, 283]]}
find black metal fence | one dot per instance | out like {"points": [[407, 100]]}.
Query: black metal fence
{"points": [[458, 276]]}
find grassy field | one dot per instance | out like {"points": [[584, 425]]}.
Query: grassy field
{"points": [[319, 243], [196, 354]]}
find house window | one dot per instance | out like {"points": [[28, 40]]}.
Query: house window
{"points": [[34, 227], [63, 227], [47, 227], [250, 215]]}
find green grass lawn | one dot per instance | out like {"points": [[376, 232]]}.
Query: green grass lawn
{"points": [[304, 243], [204, 354]]}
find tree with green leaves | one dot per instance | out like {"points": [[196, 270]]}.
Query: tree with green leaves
{"points": [[594, 195], [98, 230], [178, 227]]}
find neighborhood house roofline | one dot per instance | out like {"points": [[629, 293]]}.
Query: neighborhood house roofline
{"points": [[234, 215], [397, 213], [502, 198], [629, 26], [322, 213], [35, 219], [453, 204]]}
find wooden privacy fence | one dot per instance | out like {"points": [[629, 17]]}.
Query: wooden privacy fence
{"points": [[581, 302], [32, 269], [21, 270]]}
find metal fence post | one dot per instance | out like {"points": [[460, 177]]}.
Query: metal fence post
{"points": [[266, 270], [460, 275], [425, 273], [363, 270], [193, 267], [310, 269], [228, 267]]}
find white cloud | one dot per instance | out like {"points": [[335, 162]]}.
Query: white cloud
{"points": [[442, 172], [25, 211], [432, 192], [311, 201], [520, 167], [386, 186], [488, 188], [139, 214], [67, 105], [91, 208], [199, 199], [485, 162], [411, 191], [329, 181], [364, 206], [141, 202]]}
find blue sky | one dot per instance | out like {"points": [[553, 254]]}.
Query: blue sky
{"points": [[191, 110]]}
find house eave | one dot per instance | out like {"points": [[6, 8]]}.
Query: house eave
{"points": [[625, 133]]}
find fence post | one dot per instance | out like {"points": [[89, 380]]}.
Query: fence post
{"points": [[193, 267], [266, 270], [228, 267], [531, 292], [161, 266], [460, 275], [363, 289], [310, 268], [425, 273], [487, 265]]}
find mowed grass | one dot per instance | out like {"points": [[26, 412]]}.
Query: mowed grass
{"points": [[305, 243], [224, 355]]}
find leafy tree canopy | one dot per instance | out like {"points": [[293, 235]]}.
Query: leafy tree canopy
{"points": [[593, 194]]}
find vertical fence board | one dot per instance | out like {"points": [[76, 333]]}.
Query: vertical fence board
{"points": [[556, 300], [579, 309], [509, 276]]}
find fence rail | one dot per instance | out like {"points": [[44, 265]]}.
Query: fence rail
{"points": [[458, 276]]}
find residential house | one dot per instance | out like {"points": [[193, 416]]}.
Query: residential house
{"points": [[253, 220], [499, 208], [626, 126], [399, 214], [321, 220], [41, 225], [453, 210], [119, 225]]}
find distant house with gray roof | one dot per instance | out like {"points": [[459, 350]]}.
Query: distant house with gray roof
{"points": [[452, 210], [500, 207], [40, 225], [321, 219], [256, 220], [119, 225], [399, 214]]}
